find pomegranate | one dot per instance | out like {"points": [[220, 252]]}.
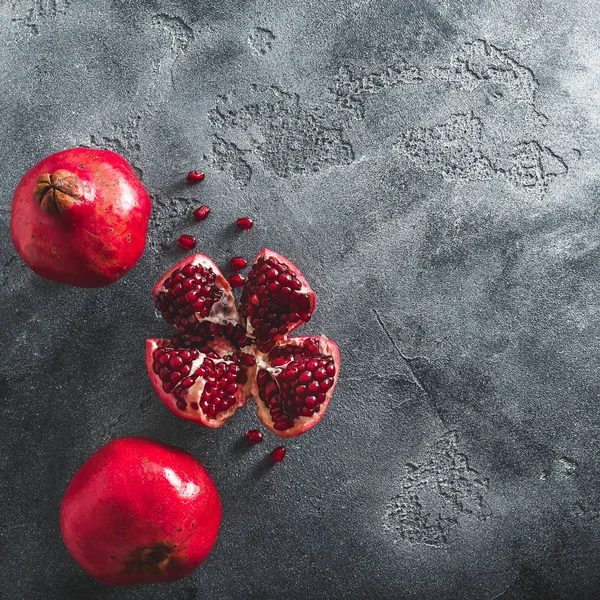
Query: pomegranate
{"points": [[80, 217], [187, 242], [220, 358], [139, 511], [237, 263], [276, 299], [237, 280], [294, 384], [194, 292]]}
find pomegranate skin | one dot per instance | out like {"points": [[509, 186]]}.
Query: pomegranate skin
{"points": [[139, 511], [89, 236]]}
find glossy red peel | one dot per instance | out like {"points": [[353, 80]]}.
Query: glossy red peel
{"points": [[140, 512], [80, 217]]}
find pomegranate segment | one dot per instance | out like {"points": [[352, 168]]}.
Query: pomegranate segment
{"points": [[294, 384], [198, 384], [276, 299], [193, 292]]}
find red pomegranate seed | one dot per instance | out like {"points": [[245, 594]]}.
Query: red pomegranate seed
{"points": [[237, 280], [187, 242], [238, 263], [195, 176], [278, 454], [254, 436], [244, 223], [248, 360], [201, 213]]}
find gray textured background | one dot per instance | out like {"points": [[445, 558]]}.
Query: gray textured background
{"points": [[432, 169]]}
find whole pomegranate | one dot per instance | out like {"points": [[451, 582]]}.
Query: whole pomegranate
{"points": [[221, 356], [80, 217], [139, 511]]}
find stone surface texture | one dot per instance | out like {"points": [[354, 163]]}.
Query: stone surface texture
{"points": [[432, 168]]}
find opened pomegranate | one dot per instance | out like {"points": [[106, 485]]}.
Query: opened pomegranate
{"points": [[80, 217], [139, 511], [220, 358]]}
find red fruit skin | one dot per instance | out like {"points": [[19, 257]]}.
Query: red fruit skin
{"points": [[94, 242], [139, 511], [302, 424]]}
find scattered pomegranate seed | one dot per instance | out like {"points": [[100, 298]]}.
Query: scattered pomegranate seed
{"points": [[201, 213], [238, 263], [195, 176], [254, 436], [278, 454], [244, 223], [187, 242], [237, 280]]}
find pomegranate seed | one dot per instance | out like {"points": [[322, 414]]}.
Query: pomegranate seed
{"points": [[254, 436], [201, 213], [238, 263], [248, 360], [237, 280], [278, 454], [195, 176], [244, 223], [187, 242]]}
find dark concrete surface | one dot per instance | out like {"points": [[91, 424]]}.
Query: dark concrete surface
{"points": [[432, 169]]}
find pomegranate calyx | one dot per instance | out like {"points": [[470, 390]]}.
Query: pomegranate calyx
{"points": [[57, 192], [150, 559]]}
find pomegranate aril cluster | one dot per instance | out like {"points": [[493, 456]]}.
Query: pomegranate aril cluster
{"points": [[298, 390], [272, 301], [190, 293], [222, 378]]}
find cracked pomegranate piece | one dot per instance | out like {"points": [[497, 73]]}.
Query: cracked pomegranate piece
{"points": [[276, 299], [205, 376], [194, 292], [198, 384], [294, 384]]}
